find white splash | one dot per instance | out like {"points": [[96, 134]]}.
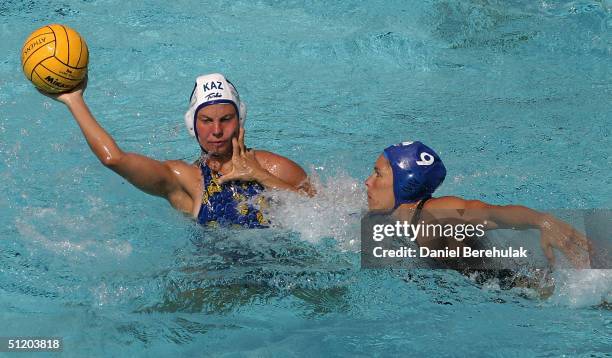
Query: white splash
{"points": [[334, 212], [61, 238], [582, 288]]}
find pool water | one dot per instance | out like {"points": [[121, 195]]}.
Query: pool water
{"points": [[514, 96]]}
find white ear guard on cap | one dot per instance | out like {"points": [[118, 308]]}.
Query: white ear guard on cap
{"points": [[213, 89]]}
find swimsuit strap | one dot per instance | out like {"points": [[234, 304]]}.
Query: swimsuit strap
{"points": [[206, 171], [417, 213]]}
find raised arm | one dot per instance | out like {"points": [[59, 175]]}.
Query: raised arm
{"points": [[164, 179]]}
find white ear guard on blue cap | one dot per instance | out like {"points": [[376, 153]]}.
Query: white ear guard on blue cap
{"points": [[213, 89]]}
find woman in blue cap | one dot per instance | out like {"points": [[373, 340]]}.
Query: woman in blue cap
{"points": [[407, 174]]}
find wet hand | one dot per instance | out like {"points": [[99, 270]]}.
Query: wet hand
{"points": [[245, 166], [558, 234], [67, 97]]}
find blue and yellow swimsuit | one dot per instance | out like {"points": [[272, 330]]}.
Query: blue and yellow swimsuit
{"points": [[233, 203]]}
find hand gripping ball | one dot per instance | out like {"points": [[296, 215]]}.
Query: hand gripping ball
{"points": [[55, 58]]}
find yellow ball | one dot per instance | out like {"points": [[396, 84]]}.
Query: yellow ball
{"points": [[55, 58]]}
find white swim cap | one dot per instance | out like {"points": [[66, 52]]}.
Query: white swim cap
{"points": [[212, 89]]}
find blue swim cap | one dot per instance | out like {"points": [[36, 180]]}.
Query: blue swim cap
{"points": [[417, 171]]}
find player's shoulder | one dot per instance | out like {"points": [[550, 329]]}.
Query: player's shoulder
{"points": [[281, 167], [182, 169], [270, 160], [176, 163], [454, 202], [445, 202], [267, 155]]}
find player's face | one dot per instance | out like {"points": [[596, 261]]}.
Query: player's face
{"points": [[380, 186], [216, 125]]}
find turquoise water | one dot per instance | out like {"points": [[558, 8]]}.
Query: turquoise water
{"points": [[515, 96]]}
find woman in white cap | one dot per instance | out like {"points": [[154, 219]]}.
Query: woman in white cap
{"points": [[222, 187]]}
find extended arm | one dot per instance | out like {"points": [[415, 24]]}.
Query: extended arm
{"points": [[149, 175], [553, 232]]}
